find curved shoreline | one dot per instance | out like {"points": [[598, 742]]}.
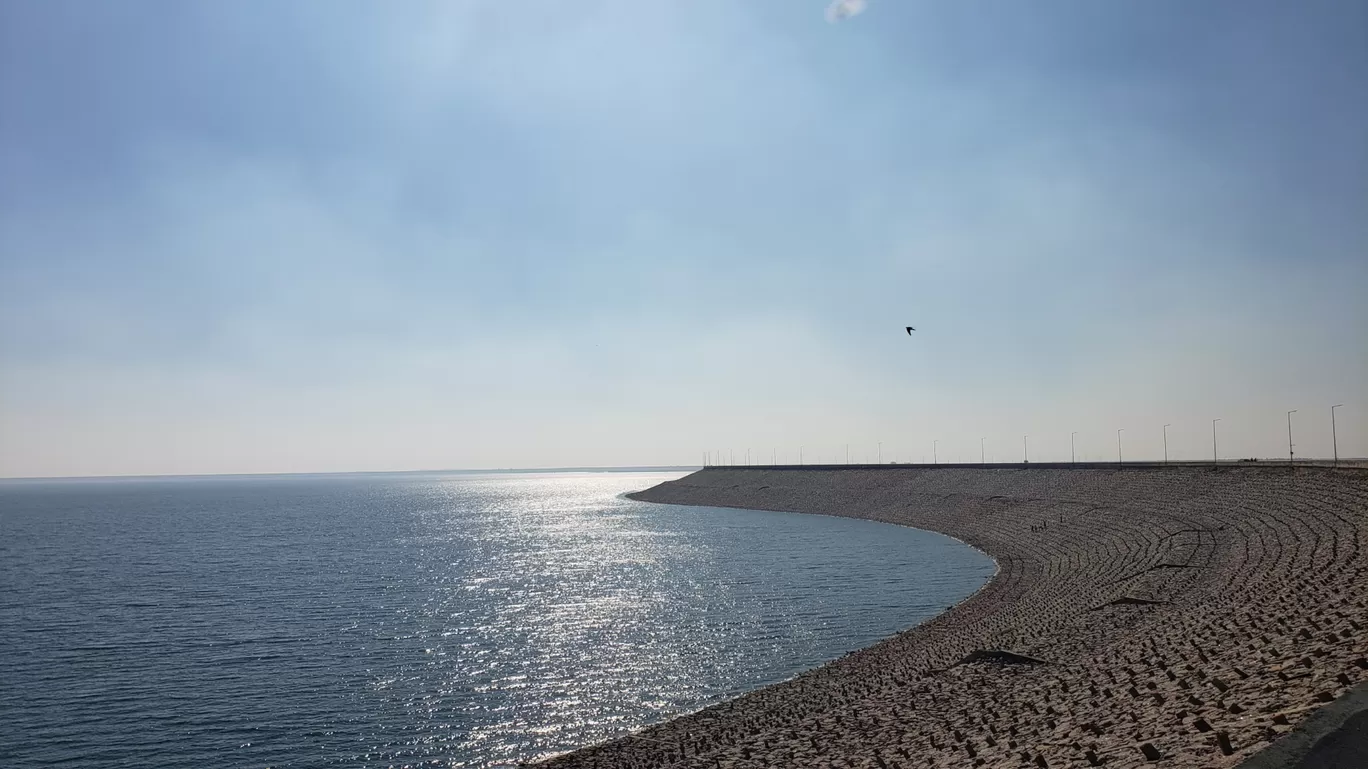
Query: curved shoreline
{"points": [[1151, 616]]}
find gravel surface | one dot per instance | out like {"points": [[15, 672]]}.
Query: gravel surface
{"points": [[1150, 616]]}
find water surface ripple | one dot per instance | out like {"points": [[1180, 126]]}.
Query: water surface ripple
{"points": [[416, 620]]}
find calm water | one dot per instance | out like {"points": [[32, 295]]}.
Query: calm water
{"points": [[406, 620]]}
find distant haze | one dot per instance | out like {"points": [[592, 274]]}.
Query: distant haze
{"points": [[314, 236]]}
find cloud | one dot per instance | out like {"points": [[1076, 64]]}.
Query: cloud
{"points": [[844, 9]]}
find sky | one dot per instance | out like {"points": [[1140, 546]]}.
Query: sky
{"points": [[333, 235]]}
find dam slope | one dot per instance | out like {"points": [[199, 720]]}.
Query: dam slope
{"points": [[1141, 616]]}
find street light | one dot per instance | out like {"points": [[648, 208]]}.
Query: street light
{"points": [[1214, 458], [1289, 434], [1333, 436], [1071, 447], [1166, 427], [981, 456], [880, 452], [935, 459], [1025, 453], [1118, 446]]}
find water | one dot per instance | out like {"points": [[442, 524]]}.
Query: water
{"points": [[406, 620]]}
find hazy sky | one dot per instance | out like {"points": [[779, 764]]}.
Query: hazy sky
{"points": [[264, 236]]}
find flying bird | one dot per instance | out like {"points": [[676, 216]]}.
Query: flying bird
{"points": [[910, 330], [844, 9]]}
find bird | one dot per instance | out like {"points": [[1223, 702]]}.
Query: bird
{"points": [[910, 330]]}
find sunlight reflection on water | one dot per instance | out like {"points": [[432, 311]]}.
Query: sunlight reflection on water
{"points": [[393, 620]]}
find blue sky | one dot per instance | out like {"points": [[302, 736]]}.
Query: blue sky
{"points": [[332, 235]]}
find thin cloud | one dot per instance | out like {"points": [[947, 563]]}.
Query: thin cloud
{"points": [[844, 9]]}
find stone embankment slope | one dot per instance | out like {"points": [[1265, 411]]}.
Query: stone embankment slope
{"points": [[1181, 617]]}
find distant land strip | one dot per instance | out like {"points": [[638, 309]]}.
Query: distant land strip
{"points": [[1141, 615]]}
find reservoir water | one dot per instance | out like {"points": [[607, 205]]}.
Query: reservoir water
{"points": [[416, 619]]}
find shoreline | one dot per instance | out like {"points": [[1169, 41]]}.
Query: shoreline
{"points": [[1182, 616]]}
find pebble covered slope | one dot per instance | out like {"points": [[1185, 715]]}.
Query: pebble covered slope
{"points": [[1165, 617]]}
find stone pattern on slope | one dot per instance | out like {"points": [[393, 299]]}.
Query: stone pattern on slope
{"points": [[1179, 617]]}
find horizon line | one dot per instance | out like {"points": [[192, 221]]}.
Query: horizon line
{"points": [[1343, 462], [471, 471]]}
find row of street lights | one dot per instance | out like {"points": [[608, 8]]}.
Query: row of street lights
{"points": [[708, 457], [1334, 434], [1215, 455]]}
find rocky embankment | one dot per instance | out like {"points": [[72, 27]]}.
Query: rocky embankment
{"points": [[1169, 617]]}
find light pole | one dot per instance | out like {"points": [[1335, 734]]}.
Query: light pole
{"points": [[1289, 434], [1333, 436], [1214, 456], [1025, 452], [1166, 427], [981, 440], [1071, 447], [847, 453], [1118, 446], [800, 455], [935, 458], [880, 452]]}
